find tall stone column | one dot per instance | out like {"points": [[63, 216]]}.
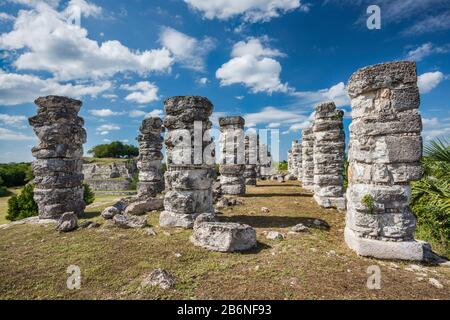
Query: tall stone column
{"points": [[150, 141], [329, 154], [308, 159], [289, 161], [190, 161], [384, 157], [251, 159], [296, 157], [58, 165], [232, 165]]}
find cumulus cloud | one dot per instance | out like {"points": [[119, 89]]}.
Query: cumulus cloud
{"points": [[249, 10], [141, 113], [430, 80], [252, 65], [9, 135], [434, 127], [106, 128], [22, 88], [336, 93], [424, 51], [47, 42], [5, 17], [105, 113], [142, 92], [271, 115], [12, 120], [202, 81], [188, 51]]}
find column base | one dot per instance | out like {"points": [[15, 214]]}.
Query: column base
{"points": [[326, 202], [402, 250], [168, 219]]}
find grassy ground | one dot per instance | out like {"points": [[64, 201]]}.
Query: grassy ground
{"points": [[113, 261]]}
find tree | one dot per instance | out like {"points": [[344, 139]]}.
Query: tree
{"points": [[115, 149], [16, 174]]}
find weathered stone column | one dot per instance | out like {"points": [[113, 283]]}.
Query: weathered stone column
{"points": [[251, 159], [329, 154], [150, 157], [289, 161], [58, 165], [385, 150], [265, 161], [308, 159], [232, 164], [296, 157], [190, 161]]}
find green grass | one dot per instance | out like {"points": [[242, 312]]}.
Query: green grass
{"points": [[113, 262]]}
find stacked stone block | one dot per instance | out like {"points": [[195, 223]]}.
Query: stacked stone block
{"points": [[58, 165], [308, 159], [251, 159], [232, 166], [150, 141], [384, 157], [190, 161], [329, 154], [296, 158]]}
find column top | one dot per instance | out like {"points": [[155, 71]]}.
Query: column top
{"points": [[385, 75], [57, 102], [232, 120], [179, 104]]}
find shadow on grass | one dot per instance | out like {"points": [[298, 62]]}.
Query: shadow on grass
{"points": [[277, 221], [277, 185], [259, 247], [89, 214], [266, 195]]}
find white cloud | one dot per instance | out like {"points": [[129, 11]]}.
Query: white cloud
{"points": [[48, 43], [432, 23], [249, 10], [9, 135], [106, 128], [22, 88], [430, 80], [252, 65], [298, 126], [5, 17], [433, 128], [273, 125], [188, 51], [104, 113], [12, 120], [140, 113], [336, 93], [202, 81], [269, 115], [143, 92], [425, 50]]}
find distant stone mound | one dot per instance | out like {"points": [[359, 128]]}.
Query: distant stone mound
{"points": [[109, 174]]}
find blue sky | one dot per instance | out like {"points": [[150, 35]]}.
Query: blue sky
{"points": [[268, 60]]}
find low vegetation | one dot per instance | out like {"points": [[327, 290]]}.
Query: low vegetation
{"points": [[115, 149], [431, 197]]}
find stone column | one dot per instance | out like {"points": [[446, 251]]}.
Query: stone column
{"points": [[329, 154], [232, 164], [251, 160], [190, 161], [150, 157], [58, 165], [384, 156], [308, 159], [289, 161], [296, 157]]}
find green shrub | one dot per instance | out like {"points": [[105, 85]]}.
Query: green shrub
{"points": [[15, 174], [282, 166], [22, 206], [430, 201], [88, 195], [3, 189], [368, 202]]}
